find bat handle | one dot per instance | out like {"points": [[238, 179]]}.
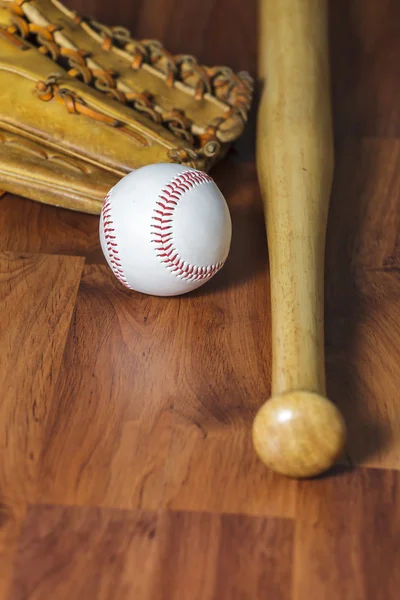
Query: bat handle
{"points": [[298, 432]]}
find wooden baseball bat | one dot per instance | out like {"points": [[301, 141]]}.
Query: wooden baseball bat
{"points": [[298, 432]]}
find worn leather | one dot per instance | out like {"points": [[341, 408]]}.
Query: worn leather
{"points": [[81, 105]]}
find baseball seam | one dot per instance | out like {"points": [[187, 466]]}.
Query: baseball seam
{"points": [[111, 241], [162, 234]]}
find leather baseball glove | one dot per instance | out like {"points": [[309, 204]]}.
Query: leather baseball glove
{"points": [[82, 104]]}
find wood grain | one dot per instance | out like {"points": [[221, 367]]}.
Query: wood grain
{"points": [[28, 226], [365, 56], [37, 295], [348, 537], [106, 554], [146, 402], [110, 421], [362, 287], [222, 464], [364, 217], [363, 369]]}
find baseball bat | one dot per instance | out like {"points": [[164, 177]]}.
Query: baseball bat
{"points": [[298, 432]]}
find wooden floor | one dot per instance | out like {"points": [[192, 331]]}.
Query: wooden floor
{"points": [[126, 465]]}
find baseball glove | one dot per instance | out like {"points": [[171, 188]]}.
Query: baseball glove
{"points": [[82, 104]]}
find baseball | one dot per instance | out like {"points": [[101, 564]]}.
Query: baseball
{"points": [[165, 229]]}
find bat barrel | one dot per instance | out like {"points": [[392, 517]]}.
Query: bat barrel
{"points": [[298, 432]]}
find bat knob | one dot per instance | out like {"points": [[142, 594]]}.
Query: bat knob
{"points": [[299, 434]]}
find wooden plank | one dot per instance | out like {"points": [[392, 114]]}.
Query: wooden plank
{"points": [[105, 554], [37, 295], [362, 367], [255, 559], [86, 553], [364, 217], [219, 471], [238, 46], [362, 291], [109, 426], [365, 57], [27, 226], [180, 25], [187, 558], [347, 542]]}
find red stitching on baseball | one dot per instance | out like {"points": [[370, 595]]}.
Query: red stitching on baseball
{"points": [[170, 196], [112, 246]]}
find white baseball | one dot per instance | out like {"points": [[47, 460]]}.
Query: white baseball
{"points": [[165, 229]]}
